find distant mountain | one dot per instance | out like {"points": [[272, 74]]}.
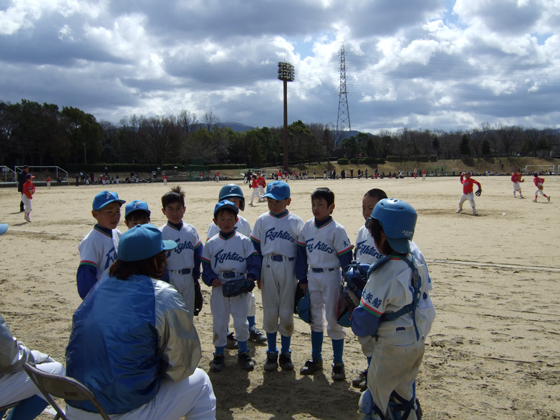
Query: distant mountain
{"points": [[236, 126]]}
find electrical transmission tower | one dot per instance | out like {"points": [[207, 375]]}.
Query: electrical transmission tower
{"points": [[343, 119]]}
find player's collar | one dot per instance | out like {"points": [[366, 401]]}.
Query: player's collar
{"points": [[226, 236], [175, 226], [279, 216], [103, 230], [320, 224]]}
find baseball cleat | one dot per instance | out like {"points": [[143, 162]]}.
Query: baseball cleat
{"points": [[360, 380], [286, 361], [271, 363], [244, 359], [535, 200], [548, 198], [459, 210], [257, 337], [218, 363], [311, 366], [338, 373], [231, 342]]}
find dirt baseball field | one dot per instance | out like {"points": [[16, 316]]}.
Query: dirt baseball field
{"points": [[494, 349]]}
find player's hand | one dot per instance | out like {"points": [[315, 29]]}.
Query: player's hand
{"points": [[259, 284], [216, 283], [303, 286]]}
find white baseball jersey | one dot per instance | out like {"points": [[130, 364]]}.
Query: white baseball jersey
{"points": [[277, 238], [242, 226], [229, 256], [324, 244], [99, 249], [181, 258], [277, 235]]}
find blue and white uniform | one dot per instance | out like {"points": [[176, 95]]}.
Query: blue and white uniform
{"points": [[366, 252], [323, 249], [275, 239], [227, 257], [244, 227], [98, 250], [183, 262], [399, 343]]}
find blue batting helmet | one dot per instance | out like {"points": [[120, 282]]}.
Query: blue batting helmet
{"points": [[303, 307], [398, 220], [232, 191]]}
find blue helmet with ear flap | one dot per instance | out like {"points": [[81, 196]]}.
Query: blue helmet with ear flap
{"points": [[232, 191], [398, 220]]}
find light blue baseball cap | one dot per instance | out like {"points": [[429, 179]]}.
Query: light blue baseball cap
{"points": [[277, 190], [225, 204], [3, 228], [141, 242], [136, 205], [104, 198]]}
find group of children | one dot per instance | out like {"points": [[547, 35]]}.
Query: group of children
{"points": [[281, 254], [517, 179]]}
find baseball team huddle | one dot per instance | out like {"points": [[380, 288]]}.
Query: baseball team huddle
{"points": [[134, 343]]}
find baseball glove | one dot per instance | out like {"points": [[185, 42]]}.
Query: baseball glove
{"points": [[300, 293], [237, 287], [478, 192], [198, 299]]}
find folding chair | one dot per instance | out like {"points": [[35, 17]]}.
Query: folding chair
{"points": [[5, 408], [62, 387]]}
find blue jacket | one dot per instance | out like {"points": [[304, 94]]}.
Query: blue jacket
{"points": [[126, 336]]}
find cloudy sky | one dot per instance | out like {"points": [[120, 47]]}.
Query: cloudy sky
{"points": [[431, 64]]}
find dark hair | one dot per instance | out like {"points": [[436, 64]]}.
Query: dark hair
{"points": [[176, 195], [375, 229], [146, 267], [136, 213], [376, 193], [323, 193]]}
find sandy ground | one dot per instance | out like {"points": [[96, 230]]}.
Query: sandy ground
{"points": [[494, 350]]}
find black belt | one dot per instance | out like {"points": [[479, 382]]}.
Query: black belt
{"points": [[281, 258], [182, 271], [320, 270], [229, 275]]}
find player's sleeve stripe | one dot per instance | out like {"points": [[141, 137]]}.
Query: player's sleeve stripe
{"points": [[370, 309], [346, 250], [255, 239], [301, 243], [86, 262], [205, 260], [198, 244], [255, 253]]}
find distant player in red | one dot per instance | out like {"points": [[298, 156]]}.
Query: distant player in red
{"points": [[468, 194], [49, 181], [424, 175], [516, 179], [261, 182], [539, 184], [164, 179], [255, 187], [28, 190]]}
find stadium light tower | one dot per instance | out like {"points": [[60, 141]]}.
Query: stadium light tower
{"points": [[286, 74]]}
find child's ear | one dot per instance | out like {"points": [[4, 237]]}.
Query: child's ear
{"points": [[332, 207], [288, 201], [94, 214], [163, 210], [214, 220]]}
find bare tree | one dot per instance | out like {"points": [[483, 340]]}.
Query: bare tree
{"points": [[211, 121], [509, 137]]}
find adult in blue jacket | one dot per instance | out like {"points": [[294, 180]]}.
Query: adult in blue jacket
{"points": [[133, 342]]}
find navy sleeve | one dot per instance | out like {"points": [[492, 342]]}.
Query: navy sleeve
{"points": [[345, 259], [86, 277], [364, 323], [197, 254], [257, 246], [301, 264], [207, 273], [254, 267]]}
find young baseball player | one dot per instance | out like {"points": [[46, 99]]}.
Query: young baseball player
{"points": [[537, 180], [323, 249], [28, 190], [275, 239], [234, 193], [255, 188], [367, 253], [227, 258], [516, 178], [98, 249], [396, 309], [468, 194], [183, 263], [136, 213], [48, 181], [261, 182]]}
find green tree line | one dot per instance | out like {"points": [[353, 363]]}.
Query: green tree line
{"points": [[41, 135]]}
